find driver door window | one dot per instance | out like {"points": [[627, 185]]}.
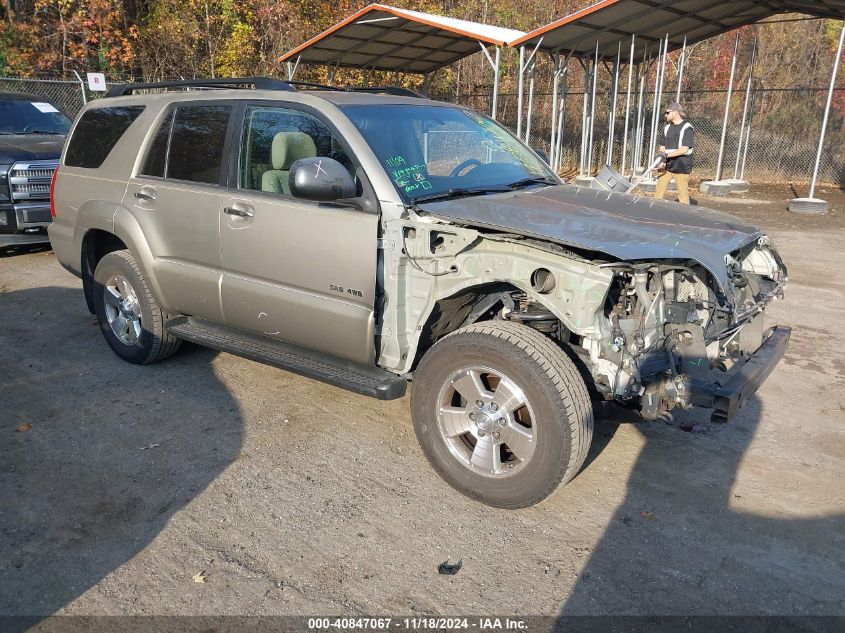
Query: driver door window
{"points": [[276, 137]]}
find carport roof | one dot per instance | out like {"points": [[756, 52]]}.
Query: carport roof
{"points": [[614, 21], [386, 38]]}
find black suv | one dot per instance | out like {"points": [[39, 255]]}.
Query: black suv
{"points": [[32, 133]]}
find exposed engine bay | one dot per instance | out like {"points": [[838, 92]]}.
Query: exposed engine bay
{"points": [[667, 327]]}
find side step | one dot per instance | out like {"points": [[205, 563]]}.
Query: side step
{"points": [[364, 379]]}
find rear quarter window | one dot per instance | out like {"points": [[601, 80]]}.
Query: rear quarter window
{"points": [[96, 134]]}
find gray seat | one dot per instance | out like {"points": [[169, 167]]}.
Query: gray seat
{"points": [[287, 147]]}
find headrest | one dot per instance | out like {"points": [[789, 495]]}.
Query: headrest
{"points": [[291, 146]]}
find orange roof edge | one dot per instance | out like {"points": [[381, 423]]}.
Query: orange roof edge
{"points": [[566, 20], [398, 13], [327, 32]]}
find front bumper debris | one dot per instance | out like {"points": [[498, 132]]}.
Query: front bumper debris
{"points": [[742, 382]]}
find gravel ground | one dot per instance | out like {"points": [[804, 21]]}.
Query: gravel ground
{"points": [[288, 496]]}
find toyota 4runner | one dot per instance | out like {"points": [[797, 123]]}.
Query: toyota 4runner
{"points": [[369, 239]]}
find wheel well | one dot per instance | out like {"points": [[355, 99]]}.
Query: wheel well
{"points": [[471, 305], [481, 303], [95, 245]]}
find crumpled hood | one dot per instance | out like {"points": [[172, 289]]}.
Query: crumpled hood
{"points": [[30, 147], [624, 226]]}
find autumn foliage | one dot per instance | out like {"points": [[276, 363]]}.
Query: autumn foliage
{"points": [[157, 39]]}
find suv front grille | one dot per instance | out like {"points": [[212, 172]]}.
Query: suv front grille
{"points": [[31, 180]]}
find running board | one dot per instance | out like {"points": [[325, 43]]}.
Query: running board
{"points": [[366, 380]]}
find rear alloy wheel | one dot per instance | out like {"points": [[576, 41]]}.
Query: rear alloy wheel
{"points": [[123, 311], [502, 413], [130, 319]]}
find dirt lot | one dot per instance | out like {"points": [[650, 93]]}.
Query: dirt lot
{"points": [[298, 498]]}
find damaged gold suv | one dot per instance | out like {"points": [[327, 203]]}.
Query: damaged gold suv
{"points": [[366, 240]]}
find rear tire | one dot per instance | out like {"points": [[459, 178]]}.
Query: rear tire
{"points": [[130, 319], [501, 413]]}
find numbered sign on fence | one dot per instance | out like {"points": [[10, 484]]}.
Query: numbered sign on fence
{"points": [[97, 82]]}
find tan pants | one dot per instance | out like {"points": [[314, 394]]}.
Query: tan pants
{"points": [[682, 180]]}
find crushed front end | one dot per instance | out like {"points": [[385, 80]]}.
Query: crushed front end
{"points": [[673, 335]]}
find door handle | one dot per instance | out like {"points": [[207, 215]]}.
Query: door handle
{"points": [[239, 210], [147, 194]]}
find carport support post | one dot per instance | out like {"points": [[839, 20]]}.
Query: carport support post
{"points": [[520, 90], [727, 111], [533, 69], [658, 87], [332, 71], [681, 70], [813, 204], [827, 113], [612, 131], [639, 132], [628, 106], [292, 68], [745, 110], [584, 115], [747, 138], [562, 113], [593, 110], [555, 82], [495, 65]]}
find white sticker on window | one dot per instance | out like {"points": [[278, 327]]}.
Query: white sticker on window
{"points": [[44, 107]]}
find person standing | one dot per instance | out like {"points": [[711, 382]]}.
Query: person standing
{"points": [[676, 148]]}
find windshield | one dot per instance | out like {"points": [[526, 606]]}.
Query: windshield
{"points": [[431, 152], [31, 117]]}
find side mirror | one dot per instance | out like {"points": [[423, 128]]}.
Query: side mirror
{"points": [[542, 154], [320, 178]]}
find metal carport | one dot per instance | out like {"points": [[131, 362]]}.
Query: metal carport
{"points": [[624, 29], [380, 37]]}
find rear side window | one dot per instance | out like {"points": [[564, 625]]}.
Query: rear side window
{"points": [[196, 143], [97, 133]]}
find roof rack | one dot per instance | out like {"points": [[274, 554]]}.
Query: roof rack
{"points": [[396, 91], [260, 83], [312, 85], [389, 90]]}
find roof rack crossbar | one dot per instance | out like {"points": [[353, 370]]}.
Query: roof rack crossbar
{"points": [[313, 85], [396, 91], [260, 83]]}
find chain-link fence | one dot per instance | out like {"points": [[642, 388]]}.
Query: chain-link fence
{"points": [[69, 96], [782, 147], [785, 128]]}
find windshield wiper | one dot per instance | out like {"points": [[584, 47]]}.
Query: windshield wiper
{"points": [[42, 132], [458, 193], [538, 180]]}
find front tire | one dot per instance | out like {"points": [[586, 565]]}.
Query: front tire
{"points": [[501, 413], [130, 319]]}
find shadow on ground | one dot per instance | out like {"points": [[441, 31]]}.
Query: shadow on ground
{"points": [[88, 482], [682, 538], [12, 251]]}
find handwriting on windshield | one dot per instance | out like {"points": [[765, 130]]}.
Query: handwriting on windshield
{"points": [[409, 177]]}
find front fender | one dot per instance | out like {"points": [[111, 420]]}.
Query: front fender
{"points": [[413, 291]]}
